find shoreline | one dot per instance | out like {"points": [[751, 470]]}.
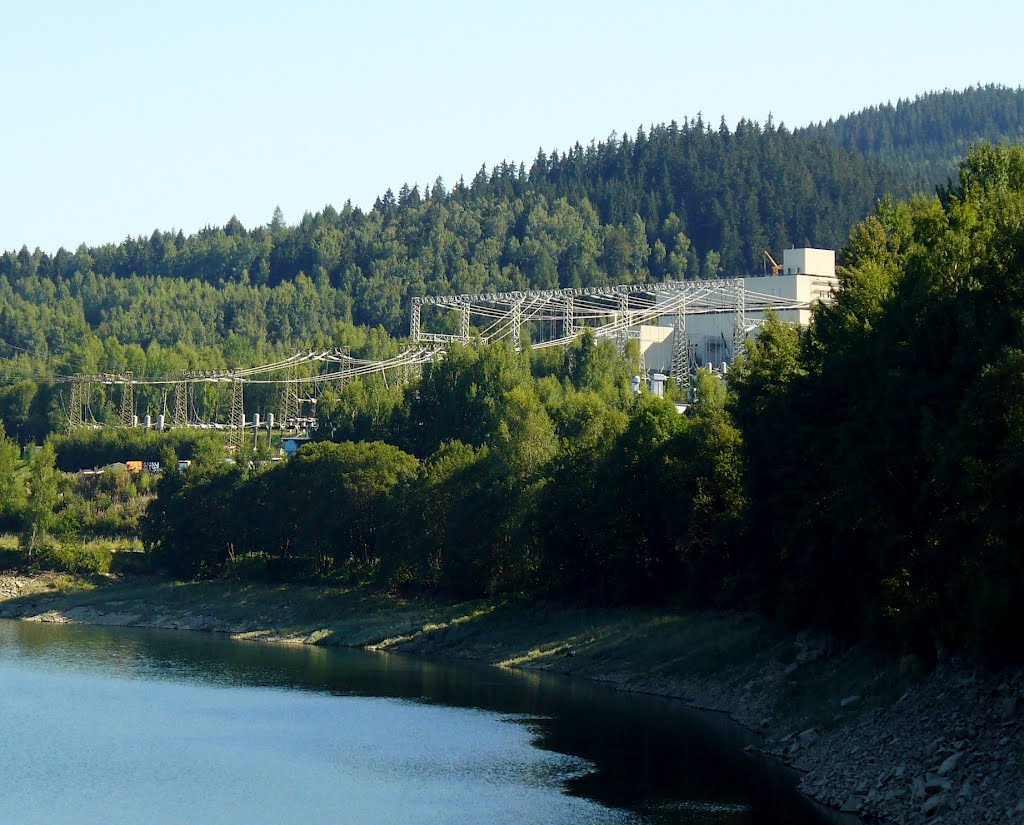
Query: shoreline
{"points": [[869, 735]]}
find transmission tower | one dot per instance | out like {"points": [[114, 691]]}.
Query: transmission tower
{"points": [[179, 418], [624, 321], [290, 398], [75, 406], [346, 354], [739, 332], [236, 423], [127, 400], [681, 354], [517, 323], [414, 321]]}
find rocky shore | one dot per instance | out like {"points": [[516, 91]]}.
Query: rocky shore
{"points": [[870, 736], [949, 749]]}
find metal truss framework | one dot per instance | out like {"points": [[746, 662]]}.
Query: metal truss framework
{"points": [[546, 318], [302, 372], [612, 311], [78, 410], [182, 390], [128, 402]]}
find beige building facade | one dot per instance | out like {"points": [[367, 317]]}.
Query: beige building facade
{"points": [[808, 276]]}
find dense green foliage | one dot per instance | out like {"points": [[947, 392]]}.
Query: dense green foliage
{"points": [[513, 472], [317, 513], [74, 556], [859, 476], [924, 139], [68, 521], [883, 447], [85, 449], [672, 201]]}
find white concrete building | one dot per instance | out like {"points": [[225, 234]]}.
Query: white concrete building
{"points": [[808, 276]]}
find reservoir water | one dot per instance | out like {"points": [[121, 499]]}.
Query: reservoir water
{"points": [[121, 725]]}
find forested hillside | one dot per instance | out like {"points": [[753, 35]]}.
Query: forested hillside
{"points": [[861, 475], [922, 140], [677, 200]]}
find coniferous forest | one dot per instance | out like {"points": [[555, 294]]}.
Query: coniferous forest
{"points": [[857, 476]]}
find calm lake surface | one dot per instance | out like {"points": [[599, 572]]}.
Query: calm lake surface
{"points": [[120, 725]]}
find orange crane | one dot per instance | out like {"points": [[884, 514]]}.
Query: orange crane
{"points": [[776, 269]]}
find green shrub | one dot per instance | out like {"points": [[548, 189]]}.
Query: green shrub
{"points": [[71, 556], [115, 481]]}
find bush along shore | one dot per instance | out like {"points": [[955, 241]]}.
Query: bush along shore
{"points": [[869, 734]]}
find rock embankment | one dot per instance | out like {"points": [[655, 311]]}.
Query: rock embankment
{"points": [[950, 750], [11, 587]]}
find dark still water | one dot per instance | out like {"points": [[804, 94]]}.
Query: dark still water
{"points": [[132, 726]]}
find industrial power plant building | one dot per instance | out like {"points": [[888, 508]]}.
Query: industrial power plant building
{"points": [[806, 276], [679, 325]]}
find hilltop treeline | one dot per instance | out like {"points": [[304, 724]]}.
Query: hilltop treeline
{"points": [[677, 200], [860, 475], [923, 140]]}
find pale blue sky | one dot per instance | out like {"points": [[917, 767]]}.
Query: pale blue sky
{"points": [[122, 117]]}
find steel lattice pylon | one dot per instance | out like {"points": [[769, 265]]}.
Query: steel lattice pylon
{"points": [[180, 415], [681, 367], [517, 323], [344, 353], [78, 391], [623, 319], [739, 332], [290, 398], [414, 321], [236, 423], [127, 401]]}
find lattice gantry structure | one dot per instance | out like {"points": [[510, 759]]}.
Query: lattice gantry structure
{"points": [[554, 317], [299, 377], [79, 405], [679, 325], [236, 420]]}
